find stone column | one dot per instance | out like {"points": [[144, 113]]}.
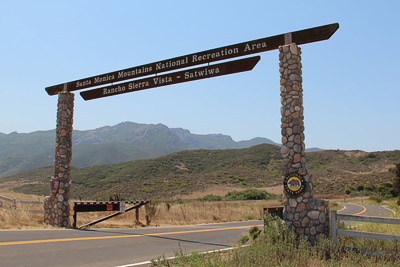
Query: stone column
{"points": [[56, 206], [305, 215]]}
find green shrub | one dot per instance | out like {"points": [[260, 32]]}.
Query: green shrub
{"points": [[211, 197], [248, 194], [243, 239], [360, 187], [370, 187], [377, 198], [254, 232], [386, 190]]}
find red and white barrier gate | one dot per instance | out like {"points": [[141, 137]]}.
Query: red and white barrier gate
{"points": [[104, 206]]}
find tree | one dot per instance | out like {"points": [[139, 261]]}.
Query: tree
{"points": [[396, 182]]}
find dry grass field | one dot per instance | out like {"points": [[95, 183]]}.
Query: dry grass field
{"points": [[193, 212]]}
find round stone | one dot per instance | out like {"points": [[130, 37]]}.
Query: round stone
{"points": [[302, 171], [321, 228], [289, 216], [322, 217], [300, 231], [301, 207], [314, 215], [305, 222], [313, 231], [284, 151], [292, 203], [297, 158], [294, 77], [293, 49], [286, 49]]}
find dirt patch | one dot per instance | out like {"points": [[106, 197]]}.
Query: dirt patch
{"points": [[356, 154]]}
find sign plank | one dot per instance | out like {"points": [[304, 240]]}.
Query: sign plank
{"points": [[173, 78], [237, 50]]}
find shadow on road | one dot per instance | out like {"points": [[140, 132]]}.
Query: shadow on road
{"points": [[158, 237]]}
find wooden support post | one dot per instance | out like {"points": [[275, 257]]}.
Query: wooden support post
{"points": [[74, 218], [137, 215]]}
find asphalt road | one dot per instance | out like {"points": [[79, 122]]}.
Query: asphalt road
{"points": [[112, 247], [364, 210]]}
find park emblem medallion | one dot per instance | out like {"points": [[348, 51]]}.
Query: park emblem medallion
{"points": [[294, 184]]}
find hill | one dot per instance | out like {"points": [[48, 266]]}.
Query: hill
{"points": [[184, 172], [108, 145]]}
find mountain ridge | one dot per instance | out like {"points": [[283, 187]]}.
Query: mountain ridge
{"points": [[122, 142]]}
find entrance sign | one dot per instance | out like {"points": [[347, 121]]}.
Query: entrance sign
{"points": [[237, 50], [294, 184], [298, 192], [173, 78], [122, 207], [54, 186]]}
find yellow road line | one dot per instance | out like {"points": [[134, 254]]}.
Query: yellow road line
{"points": [[117, 236], [361, 212]]}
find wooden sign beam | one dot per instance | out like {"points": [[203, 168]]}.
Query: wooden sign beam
{"points": [[173, 78], [237, 50]]}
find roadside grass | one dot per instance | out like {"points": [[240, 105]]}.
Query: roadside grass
{"points": [[278, 246], [193, 212], [21, 220], [167, 213]]}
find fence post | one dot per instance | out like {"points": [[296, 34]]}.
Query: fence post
{"points": [[14, 204], [137, 215], [74, 217], [334, 226]]}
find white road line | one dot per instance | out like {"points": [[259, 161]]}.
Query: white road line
{"points": [[383, 206], [173, 257]]}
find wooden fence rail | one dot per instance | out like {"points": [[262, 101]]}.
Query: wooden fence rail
{"points": [[14, 203], [335, 232]]}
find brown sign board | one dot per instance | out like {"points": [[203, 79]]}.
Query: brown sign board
{"points": [[237, 50], [173, 78]]}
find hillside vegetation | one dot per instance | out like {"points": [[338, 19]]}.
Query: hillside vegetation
{"points": [[184, 172], [108, 145]]}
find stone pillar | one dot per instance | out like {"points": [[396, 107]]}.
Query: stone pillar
{"points": [[303, 214], [56, 207]]}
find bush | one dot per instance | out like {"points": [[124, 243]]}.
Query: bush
{"points": [[243, 239], [150, 210], [254, 232], [249, 194], [377, 198], [387, 190], [360, 187], [211, 197], [370, 187], [396, 181]]}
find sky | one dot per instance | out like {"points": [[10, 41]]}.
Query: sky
{"points": [[351, 93]]}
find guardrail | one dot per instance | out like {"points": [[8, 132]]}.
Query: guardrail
{"points": [[335, 232], [14, 203]]}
